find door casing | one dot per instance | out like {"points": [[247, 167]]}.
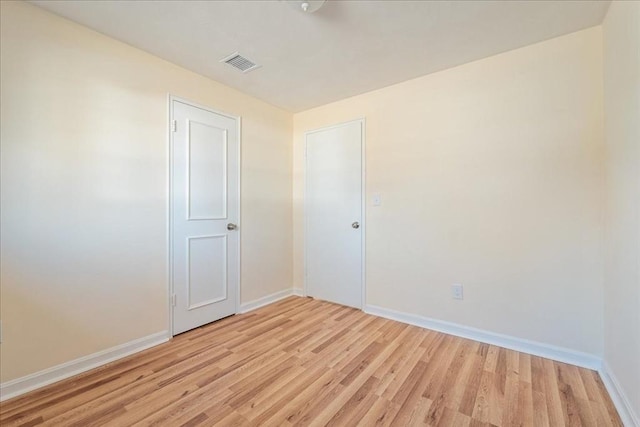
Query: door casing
{"points": [[363, 205], [169, 195]]}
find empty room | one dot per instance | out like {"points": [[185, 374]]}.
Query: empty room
{"points": [[320, 212]]}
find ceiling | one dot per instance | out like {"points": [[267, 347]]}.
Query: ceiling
{"points": [[346, 48]]}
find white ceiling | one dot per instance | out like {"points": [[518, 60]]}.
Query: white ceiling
{"points": [[344, 49]]}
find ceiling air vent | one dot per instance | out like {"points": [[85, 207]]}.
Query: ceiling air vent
{"points": [[240, 62]]}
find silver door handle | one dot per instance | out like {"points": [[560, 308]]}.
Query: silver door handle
{"points": [[231, 226], [355, 225]]}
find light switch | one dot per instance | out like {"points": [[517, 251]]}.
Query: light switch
{"points": [[376, 200]]}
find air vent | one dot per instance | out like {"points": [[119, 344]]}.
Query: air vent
{"points": [[240, 62]]}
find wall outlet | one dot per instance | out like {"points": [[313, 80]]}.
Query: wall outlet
{"points": [[376, 200], [456, 291]]}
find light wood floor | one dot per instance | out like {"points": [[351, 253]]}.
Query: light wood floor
{"points": [[306, 362]]}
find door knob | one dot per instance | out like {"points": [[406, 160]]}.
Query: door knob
{"points": [[231, 226], [355, 224]]}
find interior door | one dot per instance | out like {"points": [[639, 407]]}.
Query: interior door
{"points": [[205, 213], [333, 214]]}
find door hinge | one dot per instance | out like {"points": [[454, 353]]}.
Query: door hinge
{"points": [[174, 126], [174, 300]]}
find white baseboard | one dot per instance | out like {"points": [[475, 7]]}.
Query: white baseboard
{"points": [[266, 300], [618, 396], [51, 375], [299, 292], [538, 349]]}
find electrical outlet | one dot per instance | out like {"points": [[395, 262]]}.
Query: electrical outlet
{"points": [[456, 291]]}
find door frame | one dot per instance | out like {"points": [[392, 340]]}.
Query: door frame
{"points": [[169, 195], [363, 206]]}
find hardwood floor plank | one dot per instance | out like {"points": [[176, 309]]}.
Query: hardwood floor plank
{"points": [[405, 345], [457, 389], [525, 367], [552, 394], [409, 397], [291, 410], [444, 387], [537, 374], [491, 359], [587, 417], [381, 413], [497, 397], [540, 413], [349, 390], [512, 410], [282, 392], [590, 385], [438, 367], [196, 421], [570, 375], [186, 409], [351, 406], [525, 404], [606, 400], [472, 385], [399, 373], [481, 405], [461, 420], [360, 362], [305, 362]]}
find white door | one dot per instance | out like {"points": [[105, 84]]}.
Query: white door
{"points": [[205, 213], [333, 214]]}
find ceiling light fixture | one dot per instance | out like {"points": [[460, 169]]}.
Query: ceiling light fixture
{"points": [[308, 6]]}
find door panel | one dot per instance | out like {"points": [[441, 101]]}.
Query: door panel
{"points": [[207, 276], [205, 199], [333, 214], [207, 171]]}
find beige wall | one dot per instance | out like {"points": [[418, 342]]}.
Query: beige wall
{"points": [[491, 176], [622, 136], [84, 189]]}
